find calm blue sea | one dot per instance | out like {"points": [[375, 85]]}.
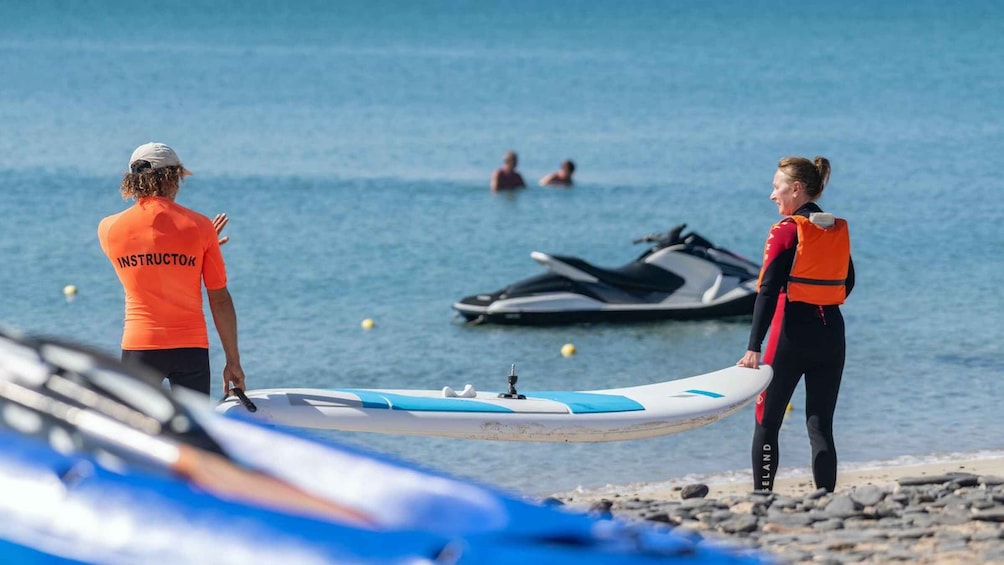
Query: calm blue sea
{"points": [[351, 143]]}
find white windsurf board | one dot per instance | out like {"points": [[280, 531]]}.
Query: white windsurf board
{"points": [[543, 416]]}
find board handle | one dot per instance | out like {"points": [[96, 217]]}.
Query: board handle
{"points": [[239, 393]]}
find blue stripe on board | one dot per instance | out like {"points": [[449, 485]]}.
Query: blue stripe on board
{"points": [[372, 399], [590, 403], [705, 393], [368, 398]]}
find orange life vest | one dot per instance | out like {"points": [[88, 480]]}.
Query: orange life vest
{"points": [[819, 271]]}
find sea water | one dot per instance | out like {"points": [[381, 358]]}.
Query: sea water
{"points": [[351, 144]]}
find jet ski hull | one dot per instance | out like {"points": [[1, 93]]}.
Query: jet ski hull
{"points": [[499, 314]]}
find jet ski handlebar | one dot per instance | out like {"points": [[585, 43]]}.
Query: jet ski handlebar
{"points": [[663, 239]]}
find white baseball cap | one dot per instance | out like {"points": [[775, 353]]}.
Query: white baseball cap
{"points": [[157, 154]]}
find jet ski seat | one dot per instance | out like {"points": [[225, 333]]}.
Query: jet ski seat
{"points": [[636, 277]]}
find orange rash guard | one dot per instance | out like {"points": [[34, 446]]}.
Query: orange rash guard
{"points": [[162, 252]]}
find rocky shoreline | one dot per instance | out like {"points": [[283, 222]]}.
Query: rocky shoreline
{"points": [[953, 518]]}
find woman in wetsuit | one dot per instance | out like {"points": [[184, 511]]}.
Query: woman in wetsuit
{"points": [[807, 273]]}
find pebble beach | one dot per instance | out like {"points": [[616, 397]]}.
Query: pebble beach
{"points": [[939, 513]]}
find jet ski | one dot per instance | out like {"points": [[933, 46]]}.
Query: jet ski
{"points": [[680, 276]]}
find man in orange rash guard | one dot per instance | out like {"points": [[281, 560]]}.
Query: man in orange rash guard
{"points": [[163, 253]]}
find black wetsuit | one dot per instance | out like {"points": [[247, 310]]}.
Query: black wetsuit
{"points": [[805, 339]]}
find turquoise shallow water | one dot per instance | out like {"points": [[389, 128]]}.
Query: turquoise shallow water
{"points": [[352, 144]]}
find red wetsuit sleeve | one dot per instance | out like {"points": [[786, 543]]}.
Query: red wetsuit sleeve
{"points": [[778, 255]]}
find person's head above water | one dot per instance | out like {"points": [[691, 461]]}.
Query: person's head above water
{"points": [[509, 160], [561, 177], [799, 181], [154, 170]]}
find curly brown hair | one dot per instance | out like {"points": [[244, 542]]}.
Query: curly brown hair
{"points": [[153, 182]]}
